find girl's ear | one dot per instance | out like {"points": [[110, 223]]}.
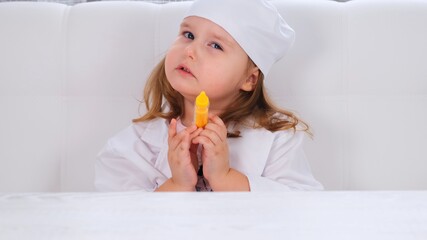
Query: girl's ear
{"points": [[251, 81]]}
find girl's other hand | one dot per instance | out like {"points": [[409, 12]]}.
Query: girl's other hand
{"points": [[182, 163], [215, 155]]}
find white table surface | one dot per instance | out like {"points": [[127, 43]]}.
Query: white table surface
{"points": [[292, 215]]}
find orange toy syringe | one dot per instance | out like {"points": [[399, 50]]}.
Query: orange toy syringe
{"points": [[201, 109]]}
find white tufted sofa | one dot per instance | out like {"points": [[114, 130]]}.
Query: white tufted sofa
{"points": [[71, 77]]}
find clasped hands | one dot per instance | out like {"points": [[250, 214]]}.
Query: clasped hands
{"points": [[182, 154]]}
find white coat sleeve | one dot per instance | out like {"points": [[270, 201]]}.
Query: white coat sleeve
{"points": [[121, 166], [286, 167]]}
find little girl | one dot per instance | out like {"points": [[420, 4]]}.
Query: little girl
{"points": [[225, 48]]}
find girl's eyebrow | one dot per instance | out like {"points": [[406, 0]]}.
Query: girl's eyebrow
{"points": [[184, 25], [223, 39]]}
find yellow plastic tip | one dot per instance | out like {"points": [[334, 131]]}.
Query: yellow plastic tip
{"points": [[201, 110], [202, 100]]}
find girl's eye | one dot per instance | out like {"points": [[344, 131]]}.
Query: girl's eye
{"points": [[189, 35], [216, 46]]}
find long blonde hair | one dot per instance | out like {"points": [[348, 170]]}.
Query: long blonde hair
{"points": [[254, 105]]}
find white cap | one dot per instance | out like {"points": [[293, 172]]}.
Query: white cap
{"points": [[256, 25]]}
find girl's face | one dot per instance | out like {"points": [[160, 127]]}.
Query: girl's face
{"points": [[205, 57]]}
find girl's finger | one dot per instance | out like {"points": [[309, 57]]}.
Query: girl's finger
{"points": [[191, 129], [172, 139], [217, 120], [212, 135], [172, 128], [196, 133], [204, 141], [175, 139], [217, 125], [184, 144]]}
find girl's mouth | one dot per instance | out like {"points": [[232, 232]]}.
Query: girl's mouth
{"points": [[184, 70]]}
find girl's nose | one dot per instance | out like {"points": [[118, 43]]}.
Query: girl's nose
{"points": [[191, 51]]}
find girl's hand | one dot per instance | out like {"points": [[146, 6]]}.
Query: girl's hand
{"points": [[182, 162], [215, 150]]}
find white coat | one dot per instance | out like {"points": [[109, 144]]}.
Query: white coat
{"points": [[136, 159]]}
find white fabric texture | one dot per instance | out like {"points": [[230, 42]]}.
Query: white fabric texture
{"points": [[136, 159]]}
